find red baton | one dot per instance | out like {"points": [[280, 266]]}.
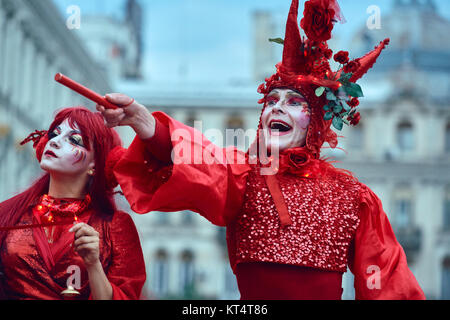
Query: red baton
{"points": [[88, 93]]}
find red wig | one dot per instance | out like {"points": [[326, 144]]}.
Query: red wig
{"points": [[95, 134]]}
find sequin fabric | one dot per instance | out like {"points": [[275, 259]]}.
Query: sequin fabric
{"points": [[324, 215], [28, 277]]}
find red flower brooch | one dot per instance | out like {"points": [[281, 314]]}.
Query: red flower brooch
{"points": [[294, 161]]}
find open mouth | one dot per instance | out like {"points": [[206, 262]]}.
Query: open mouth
{"points": [[278, 127], [50, 154]]}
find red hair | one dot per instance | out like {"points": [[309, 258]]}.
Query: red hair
{"points": [[95, 134]]}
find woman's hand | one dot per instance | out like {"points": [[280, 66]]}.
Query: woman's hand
{"points": [[86, 244], [129, 113]]}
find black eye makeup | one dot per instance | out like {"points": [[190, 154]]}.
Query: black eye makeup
{"points": [[54, 133], [76, 139]]}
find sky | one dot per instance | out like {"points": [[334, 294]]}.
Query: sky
{"points": [[191, 40]]}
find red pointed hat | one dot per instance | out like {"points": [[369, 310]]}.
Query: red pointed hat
{"points": [[332, 96]]}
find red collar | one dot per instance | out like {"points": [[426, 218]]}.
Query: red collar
{"points": [[56, 209]]}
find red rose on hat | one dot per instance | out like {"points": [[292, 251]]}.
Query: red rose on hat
{"points": [[317, 21], [353, 103], [352, 66], [356, 118], [341, 57]]}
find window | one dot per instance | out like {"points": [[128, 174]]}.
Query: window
{"points": [[447, 209], [187, 218], [447, 138], [187, 273], [162, 218], [161, 266], [405, 136], [235, 122], [235, 133], [191, 119], [446, 279], [403, 207]]}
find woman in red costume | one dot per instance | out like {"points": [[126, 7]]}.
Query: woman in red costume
{"points": [[63, 237], [290, 235]]}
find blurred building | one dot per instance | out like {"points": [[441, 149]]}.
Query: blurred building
{"points": [[35, 45], [115, 43]]}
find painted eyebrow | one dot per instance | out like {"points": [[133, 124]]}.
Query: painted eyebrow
{"points": [[71, 132], [295, 95]]}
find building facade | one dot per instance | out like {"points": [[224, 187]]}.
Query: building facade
{"points": [[115, 42], [401, 149]]}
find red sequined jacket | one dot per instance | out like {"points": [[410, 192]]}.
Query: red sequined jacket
{"points": [[37, 270], [334, 221]]}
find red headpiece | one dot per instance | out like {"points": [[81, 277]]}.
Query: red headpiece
{"points": [[332, 96]]}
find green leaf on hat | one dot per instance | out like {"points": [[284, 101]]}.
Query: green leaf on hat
{"points": [[320, 91], [337, 109], [327, 107], [346, 107], [338, 123], [331, 96], [354, 90], [277, 40], [345, 77], [328, 116]]}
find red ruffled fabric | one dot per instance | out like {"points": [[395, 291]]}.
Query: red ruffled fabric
{"points": [[150, 185], [376, 249]]}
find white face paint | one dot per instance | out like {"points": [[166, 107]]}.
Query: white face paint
{"points": [[287, 117], [65, 152]]}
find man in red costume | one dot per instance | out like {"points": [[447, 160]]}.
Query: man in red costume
{"points": [[291, 234]]}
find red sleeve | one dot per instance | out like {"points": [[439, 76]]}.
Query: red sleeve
{"points": [[377, 259], [201, 176], [160, 144], [127, 271]]}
